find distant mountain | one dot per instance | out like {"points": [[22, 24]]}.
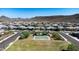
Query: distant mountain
{"points": [[58, 18], [5, 18]]}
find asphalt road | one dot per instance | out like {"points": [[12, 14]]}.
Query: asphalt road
{"points": [[70, 39], [6, 42]]}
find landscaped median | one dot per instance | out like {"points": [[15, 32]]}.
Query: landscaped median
{"points": [[28, 44]]}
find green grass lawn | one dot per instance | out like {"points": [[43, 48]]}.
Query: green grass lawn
{"points": [[38, 45]]}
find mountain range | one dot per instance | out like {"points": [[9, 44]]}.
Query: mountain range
{"points": [[57, 18]]}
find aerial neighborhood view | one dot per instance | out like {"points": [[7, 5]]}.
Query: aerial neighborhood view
{"points": [[39, 29]]}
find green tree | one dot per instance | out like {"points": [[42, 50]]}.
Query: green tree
{"points": [[24, 35]]}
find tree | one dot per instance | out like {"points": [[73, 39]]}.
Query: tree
{"points": [[24, 35]]}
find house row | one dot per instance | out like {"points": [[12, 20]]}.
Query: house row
{"points": [[38, 27]]}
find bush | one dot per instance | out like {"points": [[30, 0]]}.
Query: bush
{"points": [[40, 33], [44, 33], [24, 35], [72, 47], [56, 36]]}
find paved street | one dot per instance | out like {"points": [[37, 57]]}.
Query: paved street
{"points": [[72, 40], [6, 42]]}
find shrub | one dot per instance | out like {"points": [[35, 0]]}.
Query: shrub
{"points": [[40, 33], [72, 47], [24, 35], [44, 33]]}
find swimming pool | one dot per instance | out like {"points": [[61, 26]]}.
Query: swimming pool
{"points": [[41, 38]]}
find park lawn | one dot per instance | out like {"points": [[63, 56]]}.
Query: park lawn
{"points": [[38, 45]]}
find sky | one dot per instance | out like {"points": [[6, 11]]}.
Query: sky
{"points": [[32, 12]]}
